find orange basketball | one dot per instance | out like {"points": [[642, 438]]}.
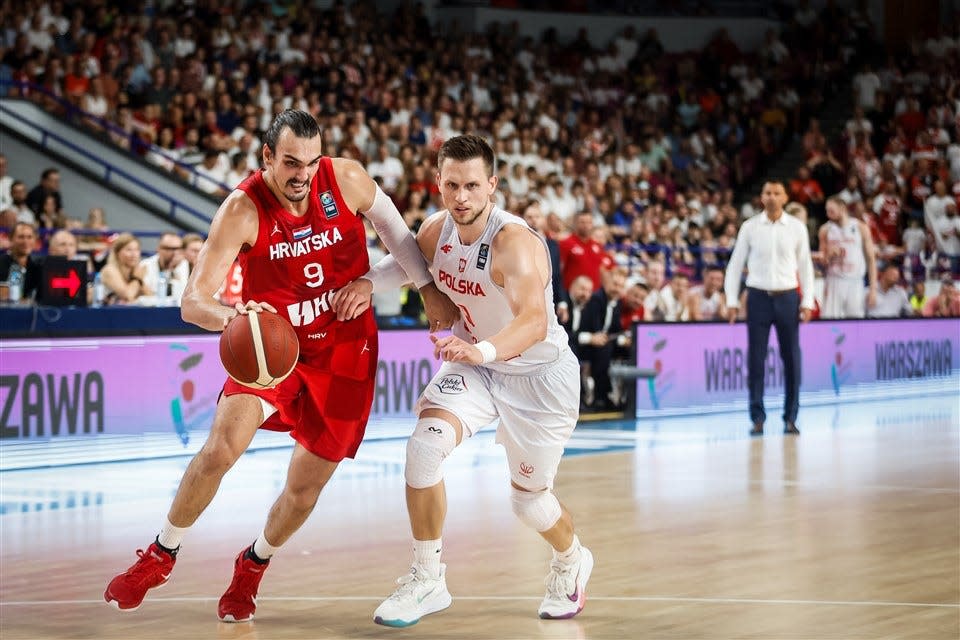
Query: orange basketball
{"points": [[259, 350]]}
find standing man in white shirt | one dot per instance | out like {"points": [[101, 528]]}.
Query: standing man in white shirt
{"points": [[775, 248]]}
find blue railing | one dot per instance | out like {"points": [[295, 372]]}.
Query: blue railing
{"points": [[73, 113]]}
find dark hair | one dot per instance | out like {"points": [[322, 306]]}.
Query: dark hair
{"points": [[49, 172], [467, 147], [301, 123]]}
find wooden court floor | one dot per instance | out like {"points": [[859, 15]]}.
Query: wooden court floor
{"points": [[851, 530]]}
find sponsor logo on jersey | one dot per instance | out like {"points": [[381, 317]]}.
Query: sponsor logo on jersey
{"points": [[526, 469], [306, 245], [329, 205], [483, 255], [452, 384], [459, 285], [305, 312], [302, 232], [446, 248], [276, 229]]}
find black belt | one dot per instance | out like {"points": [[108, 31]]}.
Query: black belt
{"points": [[778, 292]]}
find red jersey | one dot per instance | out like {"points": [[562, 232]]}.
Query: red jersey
{"points": [[297, 263], [580, 258], [888, 219]]}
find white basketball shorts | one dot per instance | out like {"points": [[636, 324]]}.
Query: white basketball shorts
{"points": [[537, 411]]}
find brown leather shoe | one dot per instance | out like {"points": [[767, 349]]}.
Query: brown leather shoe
{"points": [[790, 429], [757, 429]]}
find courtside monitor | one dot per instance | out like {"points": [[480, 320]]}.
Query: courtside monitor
{"points": [[63, 283]]}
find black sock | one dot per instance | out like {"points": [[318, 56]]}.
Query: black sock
{"points": [[250, 554], [172, 552]]}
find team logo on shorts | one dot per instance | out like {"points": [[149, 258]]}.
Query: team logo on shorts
{"points": [[329, 205], [526, 469], [452, 383]]}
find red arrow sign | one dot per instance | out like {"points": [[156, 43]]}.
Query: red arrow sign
{"points": [[71, 283]]}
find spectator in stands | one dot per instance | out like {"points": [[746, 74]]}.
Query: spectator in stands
{"points": [[948, 235], [170, 262], [8, 220], [849, 255], [632, 310], [597, 336], [865, 86], [534, 217], [807, 191], [49, 185], [888, 208], [918, 297], [705, 301], [123, 275], [62, 243], [6, 181], [852, 192], [192, 243], [211, 174], [18, 203], [656, 279], [935, 206], [946, 304], [239, 171], [580, 254], [387, 168], [20, 257], [892, 299], [95, 239], [673, 303], [49, 217], [579, 294]]}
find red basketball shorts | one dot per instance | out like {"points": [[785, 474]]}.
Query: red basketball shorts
{"points": [[326, 401]]}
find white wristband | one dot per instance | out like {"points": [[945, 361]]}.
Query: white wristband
{"points": [[487, 350]]}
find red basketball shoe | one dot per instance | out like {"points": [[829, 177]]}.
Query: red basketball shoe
{"points": [[239, 601], [127, 590]]}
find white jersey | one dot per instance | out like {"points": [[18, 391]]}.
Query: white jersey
{"points": [[709, 306], [463, 273], [851, 262]]}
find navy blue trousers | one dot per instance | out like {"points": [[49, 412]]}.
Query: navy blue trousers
{"points": [[783, 313]]}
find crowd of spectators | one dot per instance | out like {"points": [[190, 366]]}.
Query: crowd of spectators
{"points": [[642, 162]]}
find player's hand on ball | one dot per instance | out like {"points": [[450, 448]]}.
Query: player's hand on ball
{"points": [[453, 349], [243, 308], [353, 299]]}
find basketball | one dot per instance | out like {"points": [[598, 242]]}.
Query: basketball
{"points": [[259, 350]]}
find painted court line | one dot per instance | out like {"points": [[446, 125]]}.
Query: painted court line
{"points": [[831, 603]]}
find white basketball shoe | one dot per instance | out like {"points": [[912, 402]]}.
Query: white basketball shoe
{"points": [[418, 595], [567, 587]]}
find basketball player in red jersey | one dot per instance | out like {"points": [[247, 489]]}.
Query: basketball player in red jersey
{"points": [[295, 229]]}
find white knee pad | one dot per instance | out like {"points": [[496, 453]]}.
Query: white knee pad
{"points": [[432, 441], [539, 510]]}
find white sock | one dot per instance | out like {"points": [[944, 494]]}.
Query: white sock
{"points": [[426, 553], [263, 549], [571, 555], [170, 536]]}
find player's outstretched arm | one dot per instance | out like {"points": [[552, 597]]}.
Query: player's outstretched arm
{"points": [[234, 225], [353, 299]]}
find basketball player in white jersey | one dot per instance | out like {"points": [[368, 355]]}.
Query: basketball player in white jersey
{"points": [[849, 254], [507, 358]]}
